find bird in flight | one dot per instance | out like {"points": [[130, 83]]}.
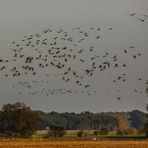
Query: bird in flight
{"points": [[66, 60], [132, 14], [142, 20]]}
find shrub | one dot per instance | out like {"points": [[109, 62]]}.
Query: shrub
{"points": [[56, 131], [103, 131], [119, 132], [140, 131], [80, 133], [96, 133], [130, 131]]}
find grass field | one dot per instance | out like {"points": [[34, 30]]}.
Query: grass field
{"points": [[40, 143]]}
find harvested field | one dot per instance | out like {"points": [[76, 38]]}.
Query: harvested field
{"points": [[16, 143]]}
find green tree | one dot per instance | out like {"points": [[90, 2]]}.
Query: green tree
{"points": [[18, 120], [146, 124], [137, 119]]}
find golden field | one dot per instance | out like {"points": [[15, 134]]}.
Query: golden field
{"points": [[40, 143]]}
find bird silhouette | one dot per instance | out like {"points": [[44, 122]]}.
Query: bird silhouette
{"points": [[65, 57], [132, 14]]}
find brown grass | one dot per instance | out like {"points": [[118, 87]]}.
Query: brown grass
{"points": [[23, 143]]}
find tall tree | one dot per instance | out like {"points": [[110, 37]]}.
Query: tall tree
{"points": [[146, 124], [137, 119], [18, 120]]}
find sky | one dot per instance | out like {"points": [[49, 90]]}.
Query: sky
{"points": [[19, 18]]}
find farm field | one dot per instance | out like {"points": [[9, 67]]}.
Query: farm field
{"points": [[40, 143]]}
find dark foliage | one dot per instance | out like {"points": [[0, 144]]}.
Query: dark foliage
{"points": [[146, 123], [80, 133], [18, 120], [84, 120], [96, 133], [88, 120], [137, 119], [103, 131], [56, 131]]}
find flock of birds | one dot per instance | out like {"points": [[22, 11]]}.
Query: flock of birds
{"points": [[69, 57], [141, 18]]}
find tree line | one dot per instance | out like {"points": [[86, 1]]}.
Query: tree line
{"points": [[19, 120], [94, 121]]}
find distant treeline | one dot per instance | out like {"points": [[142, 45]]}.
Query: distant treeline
{"points": [[19, 120], [94, 121]]}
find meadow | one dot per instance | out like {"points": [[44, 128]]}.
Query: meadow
{"points": [[71, 143]]}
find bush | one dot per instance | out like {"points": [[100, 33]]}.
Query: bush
{"points": [[103, 131], [119, 132], [80, 133], [56, 131], [130, 131], [140, 131], [96, 133]]}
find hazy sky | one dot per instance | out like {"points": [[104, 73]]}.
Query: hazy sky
{"points": [[24, 17]]}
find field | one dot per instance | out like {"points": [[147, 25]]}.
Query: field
{"points": [[40, 143]]}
